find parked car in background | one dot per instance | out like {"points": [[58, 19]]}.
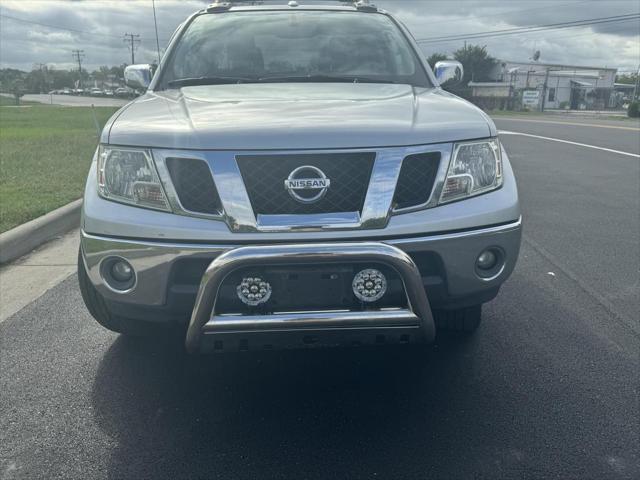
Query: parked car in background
{"points": [[107, 93], [96, 91], [123, 92]]}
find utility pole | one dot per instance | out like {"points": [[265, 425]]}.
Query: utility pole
{"points": [[79, 55], [41, 67], [544, 90], [132, 40], [635, 88], [155, 22]]}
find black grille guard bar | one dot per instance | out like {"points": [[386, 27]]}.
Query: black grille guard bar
{"points": [[204, 319]]}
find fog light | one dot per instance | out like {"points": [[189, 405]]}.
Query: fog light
{"points": [[369, 285], [253, 291], [487, 260], [121, 271], [118, 274]]}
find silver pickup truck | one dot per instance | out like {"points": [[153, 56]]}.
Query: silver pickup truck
{"points": [[296, 176]]}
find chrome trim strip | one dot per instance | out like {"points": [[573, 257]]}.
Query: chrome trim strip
{"points": [[308, 222], [238, 212], [205, 305], [382, 186], [457, 235], [208, 247], [400, 317]]}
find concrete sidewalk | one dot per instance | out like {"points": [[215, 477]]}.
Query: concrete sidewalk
{"points": [[27, 278]]}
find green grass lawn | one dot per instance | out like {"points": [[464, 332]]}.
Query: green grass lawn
{"points": [[5, 100], [45, 154]]}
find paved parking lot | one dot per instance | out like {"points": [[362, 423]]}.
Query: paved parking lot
{"points": [[548, 388]]}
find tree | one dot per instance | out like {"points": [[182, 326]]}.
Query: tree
{"points": [[435, 58], [37, 80], [101, 75], [118, 71], [627, 79], [477, 63], [61, 78], [17, 88]]}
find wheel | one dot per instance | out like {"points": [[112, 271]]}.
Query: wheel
{"points": [[98, 309], [462, 321]]}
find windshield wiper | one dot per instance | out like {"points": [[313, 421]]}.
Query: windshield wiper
{"points": [[322, 79], [194, 81]]}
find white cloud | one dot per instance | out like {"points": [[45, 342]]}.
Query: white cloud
{"points": [[100, 25]]}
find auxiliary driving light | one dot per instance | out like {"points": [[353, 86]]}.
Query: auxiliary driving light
{"points": [[253, 291], [369, 285]]}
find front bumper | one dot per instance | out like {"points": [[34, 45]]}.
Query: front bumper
{"points": [[170, 274], [208, 325]]}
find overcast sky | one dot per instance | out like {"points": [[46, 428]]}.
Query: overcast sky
{"points": [[98, 26]]}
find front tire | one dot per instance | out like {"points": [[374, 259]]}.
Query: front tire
{"points": [[462, 321]]}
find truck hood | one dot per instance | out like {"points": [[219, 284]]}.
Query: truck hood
{"points": [[296, 116]]}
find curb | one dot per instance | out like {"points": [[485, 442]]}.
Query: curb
{"points": [[24, 238]]}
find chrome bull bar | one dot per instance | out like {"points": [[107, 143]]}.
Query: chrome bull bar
{"points": [[205, 320]]}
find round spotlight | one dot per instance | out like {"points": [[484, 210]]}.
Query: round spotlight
{"points": [[369, 285], [487, 260], [253, 291]]}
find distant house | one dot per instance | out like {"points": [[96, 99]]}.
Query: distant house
{"points": [[558, 86]]}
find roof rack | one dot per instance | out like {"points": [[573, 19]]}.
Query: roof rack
{"points": [[224, 5]]}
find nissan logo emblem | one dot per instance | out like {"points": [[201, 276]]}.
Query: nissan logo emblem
{"points": [[307, 184]]}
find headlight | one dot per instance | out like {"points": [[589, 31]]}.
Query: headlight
{"points": [[129, 176], [475, 167]]}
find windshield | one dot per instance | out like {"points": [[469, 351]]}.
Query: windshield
{"points": [[293, 46]]}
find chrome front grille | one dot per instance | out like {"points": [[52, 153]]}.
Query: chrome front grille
{"points": [[264, 177], [362, 188]]}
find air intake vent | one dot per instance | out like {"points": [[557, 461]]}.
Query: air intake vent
{"points": [[194, 185], [417, 176]]}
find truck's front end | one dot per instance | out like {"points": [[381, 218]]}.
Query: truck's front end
{"points": [[295, 177]]}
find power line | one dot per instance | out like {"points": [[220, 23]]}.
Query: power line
{"points": [[509, 12], [133, 40], [83, 32], [548, 37], [531, 29], [576, 35]]}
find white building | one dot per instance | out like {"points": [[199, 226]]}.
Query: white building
{"points": [[559, 86]]}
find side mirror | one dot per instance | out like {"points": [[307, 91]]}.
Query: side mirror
{"points": [[138, 76], [449, 73]]}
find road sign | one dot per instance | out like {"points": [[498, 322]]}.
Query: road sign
{"points": [[531, 97]]}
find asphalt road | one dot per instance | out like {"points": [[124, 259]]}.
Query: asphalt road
{"points": [[548, 388]]}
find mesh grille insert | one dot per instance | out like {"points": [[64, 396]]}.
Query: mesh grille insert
{"points": [[264, 177], [194, 185], [417, 176]]}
